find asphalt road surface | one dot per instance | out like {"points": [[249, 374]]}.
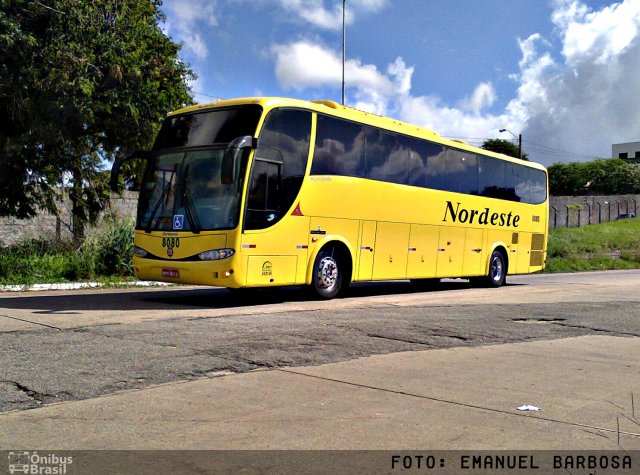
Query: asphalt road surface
{"points": [[72, 345]]}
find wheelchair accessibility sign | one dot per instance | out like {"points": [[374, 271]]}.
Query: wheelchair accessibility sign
{"points": [[178, 221]]}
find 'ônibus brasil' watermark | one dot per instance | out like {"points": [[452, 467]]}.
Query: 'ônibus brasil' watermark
{"points": [[33, 463]]}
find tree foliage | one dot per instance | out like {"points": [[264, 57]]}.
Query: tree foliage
{"points": [[503, 146], [598, 177], [80, 81]]}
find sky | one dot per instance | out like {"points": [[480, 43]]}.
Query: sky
{"points": [[562, 73]]}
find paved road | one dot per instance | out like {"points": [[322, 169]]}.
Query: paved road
{"points": [[60, 346]]}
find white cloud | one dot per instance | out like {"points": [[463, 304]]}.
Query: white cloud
{"points": [[483, 96], [329, 17], [315, 12], [581, 102], [596, 36], [303, 64], [587, 101], [186, 18]]}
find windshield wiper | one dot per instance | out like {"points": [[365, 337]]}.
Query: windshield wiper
{"points": [[189, 208], [164, 194]]}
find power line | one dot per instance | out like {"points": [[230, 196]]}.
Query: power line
{"points": [[207, 95], [528, 146]]}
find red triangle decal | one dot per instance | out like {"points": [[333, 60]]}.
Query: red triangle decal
{"points": [[297, 212]]}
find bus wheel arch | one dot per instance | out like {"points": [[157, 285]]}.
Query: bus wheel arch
{"points": [[331, 270]]}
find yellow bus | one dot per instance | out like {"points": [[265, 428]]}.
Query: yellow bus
{"points": [[262, 192]]}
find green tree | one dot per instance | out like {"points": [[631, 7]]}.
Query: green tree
{"points": [[597, 177], [612, 177], [567, 179], [503, 146], [79, 83]]}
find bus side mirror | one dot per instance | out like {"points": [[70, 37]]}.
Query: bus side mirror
{"points": [[117, 165], [231, 158]]}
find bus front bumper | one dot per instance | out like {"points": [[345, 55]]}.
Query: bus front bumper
{"points": [[223, 273]]}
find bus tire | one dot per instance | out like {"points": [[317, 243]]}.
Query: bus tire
{"points": [[497, 274], [328, 274]]}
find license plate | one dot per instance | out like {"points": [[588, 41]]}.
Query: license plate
{"points": [[173, 273]]}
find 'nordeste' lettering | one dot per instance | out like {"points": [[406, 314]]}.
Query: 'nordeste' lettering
{"points": [[475, 216]]}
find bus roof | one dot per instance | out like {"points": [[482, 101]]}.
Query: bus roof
{"points": [[333, 108]]}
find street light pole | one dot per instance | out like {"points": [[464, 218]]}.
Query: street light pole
{"points": [[519, 137]]}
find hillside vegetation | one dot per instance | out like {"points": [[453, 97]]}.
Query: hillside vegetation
{"points": [[614, 245]]}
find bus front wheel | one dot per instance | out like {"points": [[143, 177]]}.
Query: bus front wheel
{"points": [[328, 274]]}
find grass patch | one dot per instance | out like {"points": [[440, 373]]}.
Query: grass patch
{"points": [[106, 257], [102, 257], [607, 246]]}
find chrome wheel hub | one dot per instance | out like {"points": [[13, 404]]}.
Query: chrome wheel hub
{"points": [[496, 269], [327, 273]]}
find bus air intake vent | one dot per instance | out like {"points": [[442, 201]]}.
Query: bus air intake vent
{"points": [[537, 242]]}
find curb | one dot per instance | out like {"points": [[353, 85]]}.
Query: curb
{"points": [[77, 286]]}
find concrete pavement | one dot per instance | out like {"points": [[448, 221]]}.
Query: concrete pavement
{"points": [[458, 398]]}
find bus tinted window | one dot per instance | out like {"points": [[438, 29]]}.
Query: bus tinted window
{"points": [[206, 128], [537, 186], [462, 171], [286, 134], [346, 148], [426, 164], [517, 183], [491, 177], [385, 160], [339, 148], [279, 165]]}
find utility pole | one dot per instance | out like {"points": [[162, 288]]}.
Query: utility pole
{"points": [[520, 145], [519, 137], [344, 45]]}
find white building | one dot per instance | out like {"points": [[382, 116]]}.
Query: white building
{"points": [[629, 152]]}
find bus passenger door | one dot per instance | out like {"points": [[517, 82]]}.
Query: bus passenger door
{"points": [[367, 248], [392, 242], [450, 252], [423, 251], [474, 253]]}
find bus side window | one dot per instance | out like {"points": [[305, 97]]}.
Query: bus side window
{"points": [[462, 171], [385, 158], [492, 177], [537, 186], [432, 173], [339, 148], [279, 165], [517, 183]]}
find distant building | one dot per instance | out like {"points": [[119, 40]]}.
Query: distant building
{"points": [[629, 152]]}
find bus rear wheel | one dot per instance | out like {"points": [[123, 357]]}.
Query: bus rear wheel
{"points": [[328, 274], [497, 274]]}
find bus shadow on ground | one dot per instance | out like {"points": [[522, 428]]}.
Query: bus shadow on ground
{"points": [[223, 298], [176, 298]]}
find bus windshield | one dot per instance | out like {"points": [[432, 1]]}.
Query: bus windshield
{"points": [[183, 191], [182, 188]]}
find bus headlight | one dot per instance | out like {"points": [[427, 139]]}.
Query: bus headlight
{"points": [[139, 252], [216, 254]]}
